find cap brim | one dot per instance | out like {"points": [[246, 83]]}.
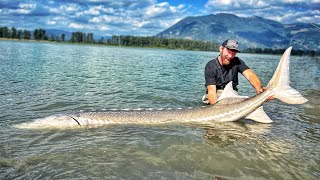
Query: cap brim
{"points": [[233, 49]]}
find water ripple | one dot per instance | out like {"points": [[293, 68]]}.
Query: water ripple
{"points": [[43, 79]]}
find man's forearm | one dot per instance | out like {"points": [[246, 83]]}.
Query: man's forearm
{"points": [[254, 80]]}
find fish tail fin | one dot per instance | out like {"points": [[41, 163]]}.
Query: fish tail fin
{"points": [[280, 82]]}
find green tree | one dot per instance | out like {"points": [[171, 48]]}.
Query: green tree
{"points": [[101, 40], [40, 34], [90, 38], [14, 33], [4, 32], [63, 36], [20, 34], [78, 37], [26, 34]]}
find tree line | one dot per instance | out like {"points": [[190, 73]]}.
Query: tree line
{"points": [[137, 41], [280, 51], [40, 34], [80, 37]]}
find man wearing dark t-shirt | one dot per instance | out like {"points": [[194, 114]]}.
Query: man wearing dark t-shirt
{"points": [[225, 68]]}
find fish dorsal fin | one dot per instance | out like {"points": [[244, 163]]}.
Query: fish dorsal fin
{"points": [[228, 92], [259, 116]]}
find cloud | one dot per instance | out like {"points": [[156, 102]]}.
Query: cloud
{"points": [[237, 4], [51, 22], [162, 10], [284, 11], [22, 9], [142, 17]]}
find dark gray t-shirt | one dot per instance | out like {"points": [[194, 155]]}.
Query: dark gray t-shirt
{"points": [[218, 75]]}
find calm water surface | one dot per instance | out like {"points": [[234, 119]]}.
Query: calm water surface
{"points": [[42, 79]]}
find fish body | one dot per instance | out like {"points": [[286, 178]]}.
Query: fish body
{"points": [[229, 107]]}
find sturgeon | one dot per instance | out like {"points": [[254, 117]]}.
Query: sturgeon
{"points": [[229, 107]]}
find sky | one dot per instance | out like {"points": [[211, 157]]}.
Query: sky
{"points": [[143, 17]]}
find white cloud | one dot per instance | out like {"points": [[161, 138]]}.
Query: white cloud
{"points": [[140, 23], [108, 19], [23, 9], [309, 19], [51, 22], [162, 9], [88, 27], [76, 26], [19, 11], [94, 10], [103, 28], [284, 11], [95, 20], [27, 6], [54, 10], [70, 8], [223, 4], [108, 10], [296, 16], [297, 1], [146, 17], [156, 9]]}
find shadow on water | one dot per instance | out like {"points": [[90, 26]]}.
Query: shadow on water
{"points": [[208, 151], [227, 133], [309, 128], [43, 83], [312, 107]]}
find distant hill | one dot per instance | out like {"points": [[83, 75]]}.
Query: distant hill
{"points": [[68, 35], [253, 32], [58, 33]]}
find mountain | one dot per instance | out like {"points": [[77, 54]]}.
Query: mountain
{"points": [[253, 32]]}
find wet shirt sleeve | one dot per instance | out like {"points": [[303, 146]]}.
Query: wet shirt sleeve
{"points": [[210, 74], [242, 66]]}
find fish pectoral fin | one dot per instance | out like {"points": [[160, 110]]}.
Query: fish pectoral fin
{"points": [[228, 93], [259, 116]]}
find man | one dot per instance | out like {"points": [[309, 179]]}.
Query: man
{"points": [[225, 68]]}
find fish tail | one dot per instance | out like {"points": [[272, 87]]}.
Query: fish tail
{"points": [[279, 83]]}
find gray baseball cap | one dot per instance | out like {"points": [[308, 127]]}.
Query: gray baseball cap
{"points": [[231, 44]]}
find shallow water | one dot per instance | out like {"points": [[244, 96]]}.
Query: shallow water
{"points": [[43, 79]]}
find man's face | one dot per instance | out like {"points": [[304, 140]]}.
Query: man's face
{"points": [[226, 55]]}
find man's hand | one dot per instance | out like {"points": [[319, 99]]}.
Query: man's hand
{"points": [[262, 90]]}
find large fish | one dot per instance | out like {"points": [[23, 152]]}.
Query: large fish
{"points": [[229, 107]]}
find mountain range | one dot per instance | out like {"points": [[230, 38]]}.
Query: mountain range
{"points": [[250, 32]]}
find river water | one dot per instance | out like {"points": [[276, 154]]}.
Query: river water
{"points": [[43, 79]]}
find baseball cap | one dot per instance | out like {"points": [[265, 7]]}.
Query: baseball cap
{"points": [[231, 44]]}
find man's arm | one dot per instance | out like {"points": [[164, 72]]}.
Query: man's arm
{"points": [[212, 93], [253, 79]]}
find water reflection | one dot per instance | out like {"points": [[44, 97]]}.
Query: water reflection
{"points": [[227, 133], [311, 108], [309, 128], [39, 80]]}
